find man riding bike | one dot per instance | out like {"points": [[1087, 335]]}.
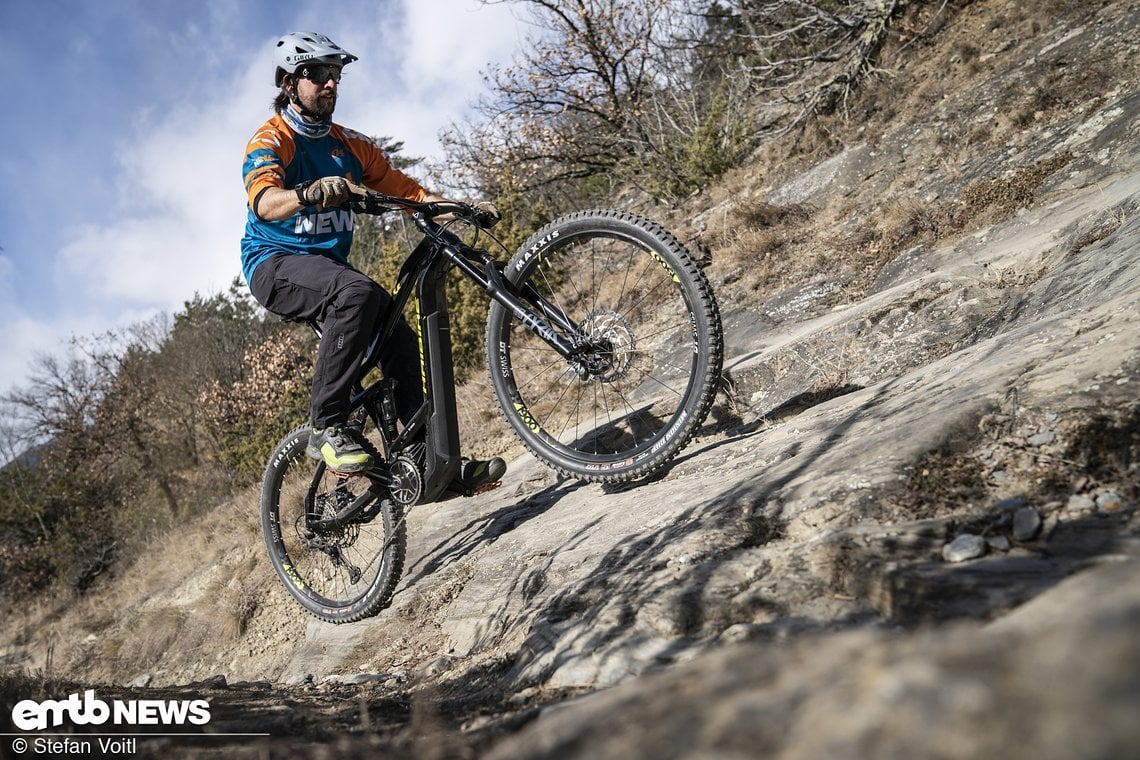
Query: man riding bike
{"points": [[300, 170]]}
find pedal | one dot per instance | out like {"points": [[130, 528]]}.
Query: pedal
{"points": [[485, 487], [452, 491]]}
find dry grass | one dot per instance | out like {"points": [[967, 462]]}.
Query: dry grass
{"points": [[483, 433], [196, 585], [755, 214], [757, 248], [1108, 221], [148, 637], [771, 247]]}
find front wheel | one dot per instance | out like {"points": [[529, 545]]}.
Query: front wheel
{"points": [[628, 293], [339, 572]]}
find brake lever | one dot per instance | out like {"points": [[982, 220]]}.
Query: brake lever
{"points": [[483, 219], [370, 204], [474, 215], [359, 205]]}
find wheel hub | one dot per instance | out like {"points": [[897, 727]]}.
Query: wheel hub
{"points": [[612, 345]]}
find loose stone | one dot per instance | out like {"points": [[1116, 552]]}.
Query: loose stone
{"points": [[998, 543], [1109, 502], [1078, 502], [965, 547], [1026, 523]]}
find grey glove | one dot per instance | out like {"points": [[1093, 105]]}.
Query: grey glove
{"points": [[333, 191]]}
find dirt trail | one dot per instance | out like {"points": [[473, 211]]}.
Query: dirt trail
{"points": [[911, 530]]}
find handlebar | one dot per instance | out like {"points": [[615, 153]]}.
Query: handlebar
{"points": [[378, 203]]}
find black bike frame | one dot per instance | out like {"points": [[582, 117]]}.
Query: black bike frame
{"points": [[425, 273]]}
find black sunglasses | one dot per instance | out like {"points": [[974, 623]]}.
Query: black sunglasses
{"points": [[320, 73]]}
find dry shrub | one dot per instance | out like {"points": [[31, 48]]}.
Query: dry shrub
{"points": [[912, 221], [272, 371], [28, 568], [1003, 196], [247, 418], [754, 213], [239, 606], [757, 245], [237, 595]]}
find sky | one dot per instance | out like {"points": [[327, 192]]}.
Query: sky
{"points": [[126, 124]]}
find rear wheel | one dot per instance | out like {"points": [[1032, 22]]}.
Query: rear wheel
{"points": [[646, 320], [339, 572]]}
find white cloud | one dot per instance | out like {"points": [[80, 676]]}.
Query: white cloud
{"points": [[172, 210], [23, 340], [463, 38], [181, 211], [425, 68]]}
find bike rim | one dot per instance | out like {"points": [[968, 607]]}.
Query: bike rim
{"points": [[636, 392], [335, 569]]}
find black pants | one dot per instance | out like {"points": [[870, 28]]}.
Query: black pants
{"points": [[347, 304]]}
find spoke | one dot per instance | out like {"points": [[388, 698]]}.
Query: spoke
{"points": [[546, 368], [625, 278], [596, 426], [552, 293], [593, 279], [662, 331], [651, 374], [633, 307], [573, 416], [617, 293]]}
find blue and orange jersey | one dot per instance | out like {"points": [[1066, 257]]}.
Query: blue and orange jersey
{"points": [[277, 157]]}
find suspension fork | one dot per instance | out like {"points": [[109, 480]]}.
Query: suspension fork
{"points": [[491, 280]]}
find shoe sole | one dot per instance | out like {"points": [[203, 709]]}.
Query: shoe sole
{"points": [[345, 470]]}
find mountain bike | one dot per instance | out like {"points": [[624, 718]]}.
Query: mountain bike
{"points": [[604, 351]]}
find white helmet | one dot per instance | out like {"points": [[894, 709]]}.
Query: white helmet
{"points": [[298, 48]]}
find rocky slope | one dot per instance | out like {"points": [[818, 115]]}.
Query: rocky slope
{"points": [[910, 529]]}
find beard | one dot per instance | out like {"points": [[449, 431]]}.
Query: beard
{"points": [[321, 105]]}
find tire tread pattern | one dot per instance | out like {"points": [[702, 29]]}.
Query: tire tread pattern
{"points": [[706, 302]]}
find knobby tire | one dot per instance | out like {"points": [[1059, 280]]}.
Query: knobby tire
{"points": [[341, 575], [658, 348]]}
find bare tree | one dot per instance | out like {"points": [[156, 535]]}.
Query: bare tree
{"points": [[811, 55], [662, 93], [61, 483], [571, 105]]}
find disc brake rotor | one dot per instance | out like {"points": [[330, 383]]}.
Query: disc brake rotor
{"points": [[611, 336]]}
